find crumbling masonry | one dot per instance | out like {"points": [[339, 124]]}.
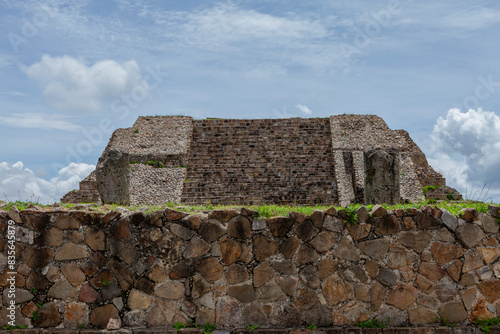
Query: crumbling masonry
{"points": [[252, 161]]}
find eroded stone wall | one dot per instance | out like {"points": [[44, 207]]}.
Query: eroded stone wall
{"points": [[232, 268]]}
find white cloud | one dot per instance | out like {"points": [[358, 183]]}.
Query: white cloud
{"points": [[20, 183], [39, 121], [304, 109], [69, 84], [468, 148]]}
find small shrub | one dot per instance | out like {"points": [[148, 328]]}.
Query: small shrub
{"points": [[105, 282], [179, 325], [33, 291], [450, 196], [426, 189], [311, 327], [136, 131], [82, 325], [156, 164], [352, 216], [253, 327]]}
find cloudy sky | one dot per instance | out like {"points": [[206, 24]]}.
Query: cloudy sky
{"points": [[73, 71]]}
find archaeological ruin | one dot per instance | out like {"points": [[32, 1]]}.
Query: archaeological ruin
{"points": [[253, 161]]}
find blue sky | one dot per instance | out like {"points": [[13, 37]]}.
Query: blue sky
{"points": [[73, 71]]}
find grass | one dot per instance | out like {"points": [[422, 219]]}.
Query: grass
{"points": [[264, 210], [486, 324]]}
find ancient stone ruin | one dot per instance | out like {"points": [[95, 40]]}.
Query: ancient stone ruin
{"points": [[238, 161]]}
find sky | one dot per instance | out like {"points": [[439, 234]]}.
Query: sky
{"points": [[71, 72]]}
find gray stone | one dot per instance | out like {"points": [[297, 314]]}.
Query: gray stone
{"points": [[470, 234], [170, 290], [62, 289], [381, 176], [416, 240], [113, 177], [21, 296], [489, 224], [181, 231], [346, 250], [449, 220], [376, 248], [271, 292], [135, 318], [333, 224], [387, 276], [453, 312]]}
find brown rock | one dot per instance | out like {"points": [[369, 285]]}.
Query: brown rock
{"points": [[387, 225], [48, 316], [377, 296], [145, 285], [424, 284], [298, 217], [468, 279], [288, 284], [490, 290], [378, 211], [362, 292], [468, 297], [88, 294], [371, 268], [402, 296], [228, 313], [101, 315], [180, 270], [158, 272], [66, 222], [53, 237], [304, 299], [239, 228], [399, 256], [327, 267], [244, 293], [355, 273], [170, 290], [444, 253], [237, 274], [408, 223], [289, 247], [36, 258], [200, 287], [197, 247], [174, 215], [446, 291], [128, 252], [231, 250], [285, 316], [387, 276], [359, 231], [164, 313], [139, 300], [454, 270], [336, 290], [376, 248], [285, 267], [416, 240], [121, 229], [422, 316], [210, 231], [280, 226], [453, 312], [223, 215], [180, 231], [124, 277], [62, 289], [309, 275], [489, 254], [264, 247], [271, 292], [29, 309], [427, 222], [471, 263], [103, 278], [346, 250], [74, 236], [317, 218], [363, 215], [480, 312], [431, 271], [262, 274], [470, 234], [71, 251], [96, 239], [209, 268], [74, 275], [489, 224], [305, 255], [37, 281], [305, 230], [407, 273], [469, 214], [324, 241], [193, 222]]}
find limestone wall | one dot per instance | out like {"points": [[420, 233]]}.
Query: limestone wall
{"points": [[416, 267]]}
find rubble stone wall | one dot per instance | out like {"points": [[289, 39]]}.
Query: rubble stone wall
{"points": [[229, 267]]}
